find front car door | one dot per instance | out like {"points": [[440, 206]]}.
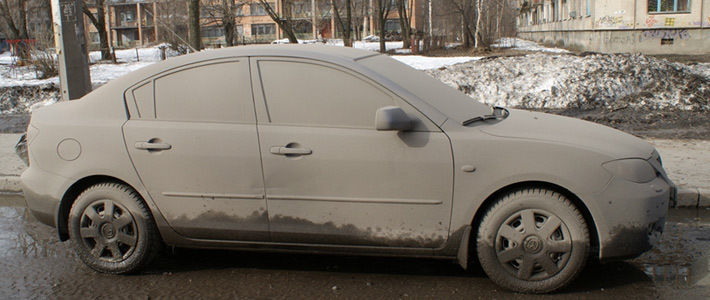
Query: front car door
{"points": [[192, 138], [331, 177]]}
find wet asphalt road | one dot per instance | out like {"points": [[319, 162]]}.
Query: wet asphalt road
{"points": [[35, 265]]}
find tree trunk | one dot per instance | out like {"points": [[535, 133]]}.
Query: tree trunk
{"points": [[477, 39], [229, 22], [283, 22], [404, 23], [100, 25], [344, 24], [194, 25], [383, 10], [22, 19]]}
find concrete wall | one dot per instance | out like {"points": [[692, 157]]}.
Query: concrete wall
{"points": [[618, 26]]}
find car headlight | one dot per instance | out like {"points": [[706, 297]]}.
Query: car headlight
{"points": [[634, 170]]}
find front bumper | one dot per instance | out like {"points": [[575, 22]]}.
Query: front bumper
{"points": [[631, 216]]}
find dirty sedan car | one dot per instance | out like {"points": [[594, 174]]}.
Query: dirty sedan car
{"points": [[323, 149]]}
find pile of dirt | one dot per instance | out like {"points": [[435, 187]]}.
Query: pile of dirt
{"points": [[584, 82]]}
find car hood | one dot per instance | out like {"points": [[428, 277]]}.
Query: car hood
{"points": [[546, 127]]}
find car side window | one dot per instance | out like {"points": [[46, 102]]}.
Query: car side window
{"points": [[206, 93], [310, 94]]}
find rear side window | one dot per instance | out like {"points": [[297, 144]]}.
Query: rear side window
{"points": [[205, 93], [143, 96], [303, 93]]}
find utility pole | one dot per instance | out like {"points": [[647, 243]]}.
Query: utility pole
{"points": [[70, 41]]}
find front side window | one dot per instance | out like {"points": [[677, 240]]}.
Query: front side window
{"points": [[661, 6], [302, 93]]}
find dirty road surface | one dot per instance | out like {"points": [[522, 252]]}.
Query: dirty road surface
{"points": [[35, 265]]}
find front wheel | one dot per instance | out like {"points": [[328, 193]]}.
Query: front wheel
{"points": [[533, 241], [112, 229]]}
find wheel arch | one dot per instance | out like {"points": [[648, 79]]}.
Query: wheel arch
{"points": [[73, 192], [490, 200]]}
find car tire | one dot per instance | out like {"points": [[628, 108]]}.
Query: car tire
{"points": [[120, 242], [533, 241]]}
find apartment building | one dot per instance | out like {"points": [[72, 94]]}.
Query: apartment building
{"points": [[129, 24], [613, 26]]}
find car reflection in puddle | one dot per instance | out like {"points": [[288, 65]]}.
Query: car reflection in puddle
{"points": [[682, 256]]}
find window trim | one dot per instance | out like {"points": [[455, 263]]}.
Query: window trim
{"points": [[262, 113], [132, 110], [674, 11]]}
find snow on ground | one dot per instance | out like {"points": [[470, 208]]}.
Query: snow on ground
{"points": [[425, 63], [570, 81], [525, 45]]}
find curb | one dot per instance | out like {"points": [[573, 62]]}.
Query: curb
{"points": [[692, 198], [10, 185]]}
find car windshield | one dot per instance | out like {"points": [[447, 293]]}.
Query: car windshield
{"points": [[444, 98]]}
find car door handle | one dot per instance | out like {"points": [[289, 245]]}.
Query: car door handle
{"points": [[152, 146], [282, 150]]}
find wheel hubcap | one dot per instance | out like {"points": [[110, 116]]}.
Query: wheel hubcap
{"points": [[533, 244], [108, 231]]}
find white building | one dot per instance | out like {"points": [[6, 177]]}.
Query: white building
{"points": [[612, 26]]}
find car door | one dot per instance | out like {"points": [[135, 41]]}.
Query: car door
{"points": [[192, 138], [331, 177]]}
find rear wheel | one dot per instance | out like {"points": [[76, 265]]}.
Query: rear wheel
{"points": [[533, 241], [112, 230]]}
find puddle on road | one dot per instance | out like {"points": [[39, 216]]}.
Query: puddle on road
{"points": [[22, 236], [682, 257]]}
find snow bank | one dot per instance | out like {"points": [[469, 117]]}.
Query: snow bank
{"points": [[593, 81], [525, 45], [426, 63]]}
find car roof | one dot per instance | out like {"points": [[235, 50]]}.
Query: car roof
{"points": [[334, 54]]}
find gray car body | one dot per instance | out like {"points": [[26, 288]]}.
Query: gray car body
{"points": [[75, 144]]}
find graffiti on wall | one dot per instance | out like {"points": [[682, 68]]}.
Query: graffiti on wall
{"points": [[610, 21], [620, 40], [664, 34], [651, 20], [670, 22]]}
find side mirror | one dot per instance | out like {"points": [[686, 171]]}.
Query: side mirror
{"points": [[392, 118]]}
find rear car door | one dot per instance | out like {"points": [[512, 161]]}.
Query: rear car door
{"points": [[331, 177], [192, 138]]}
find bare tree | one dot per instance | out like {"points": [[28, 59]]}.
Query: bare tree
{"points": [[404, 11], [383, 11], [225, 11], [283, 20], [465, 11], [172, 20], [99, 22], [14, 15], [194, 24], [346, 24]]}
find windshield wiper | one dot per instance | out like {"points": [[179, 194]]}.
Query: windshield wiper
{"points": [[498, 114]]}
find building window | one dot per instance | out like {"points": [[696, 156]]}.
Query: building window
{"points": [[212, 32], [664, 6], [128, 16], [263, 29], [257, 9]]}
